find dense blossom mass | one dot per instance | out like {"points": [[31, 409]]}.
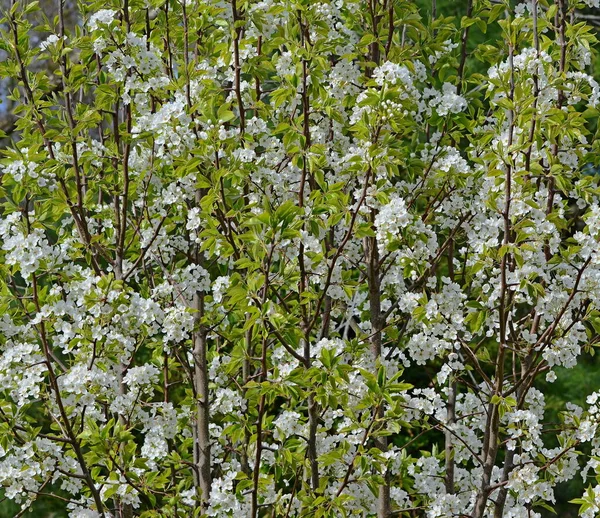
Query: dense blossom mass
{"points": [[298, 258]]}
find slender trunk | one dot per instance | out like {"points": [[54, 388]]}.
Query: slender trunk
{"points": [[492, 433], [374, 283], [257, 459], [377, 324], [123, 510], [246, 378], [449, 450], [463, 49], [202, 472], [313, 421], [261, 413], [561, 22], [489, 457], [451, 408], [237, 67], [313, 408], [510, 454], [202, 449]]}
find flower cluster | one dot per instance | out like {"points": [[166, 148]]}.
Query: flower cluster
{"points": [[299, 259]]}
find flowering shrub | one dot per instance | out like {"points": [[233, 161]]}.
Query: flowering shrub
{"points": [[254, 253]]}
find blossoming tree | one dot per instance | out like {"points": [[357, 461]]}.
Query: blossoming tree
{"points": [[296, 258]]}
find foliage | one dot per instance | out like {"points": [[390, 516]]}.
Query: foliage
{"points": [[298, 259]]}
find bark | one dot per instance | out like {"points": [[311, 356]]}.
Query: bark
{"points": [[449, 448], [202, 449], [377, 324], [492, 433]]}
